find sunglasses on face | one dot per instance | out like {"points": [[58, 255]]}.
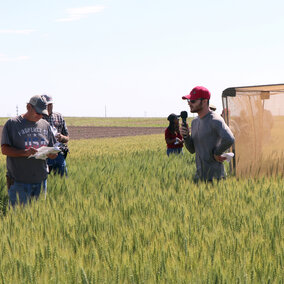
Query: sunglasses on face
{"points": [[194, 101]]}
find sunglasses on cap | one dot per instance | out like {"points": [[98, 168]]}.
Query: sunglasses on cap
{"points": [[193, 101]]}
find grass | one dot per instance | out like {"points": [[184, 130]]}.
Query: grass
{"points": [[3, 120], [129, 214]]}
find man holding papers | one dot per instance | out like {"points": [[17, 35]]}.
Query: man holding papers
{"points": [[22, 136]]}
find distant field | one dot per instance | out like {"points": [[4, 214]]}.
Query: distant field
{"points": [[111, 121], [116, 121], [3, 120]]}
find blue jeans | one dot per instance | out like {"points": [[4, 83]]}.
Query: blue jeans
{"points": [[25, 192], [57, 165], [174, 151]]}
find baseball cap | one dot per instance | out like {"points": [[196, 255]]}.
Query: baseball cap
{"points": [[196, 93], [39, 104], [48, 99], [212, 107], [172, 117]]}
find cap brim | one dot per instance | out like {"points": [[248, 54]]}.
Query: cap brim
{"points": [[44, 111], [172, 117], [186, 97]]}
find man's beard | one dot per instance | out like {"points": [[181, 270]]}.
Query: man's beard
{"points": [[196, 108]]}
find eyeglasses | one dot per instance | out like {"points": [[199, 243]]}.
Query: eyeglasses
{"points": [[194, 101]]}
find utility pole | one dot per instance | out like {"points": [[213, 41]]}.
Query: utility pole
{"points": [[105, 111], [17, 110]]}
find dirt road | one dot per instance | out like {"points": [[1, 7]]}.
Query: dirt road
{"points": [[88, 132]]}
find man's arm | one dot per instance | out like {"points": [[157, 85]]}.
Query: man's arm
{"points": [[227, 138], [64, 135], [15, 152], [188, 141]]}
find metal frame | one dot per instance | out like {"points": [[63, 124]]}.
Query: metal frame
{"points": [[267, 90]]}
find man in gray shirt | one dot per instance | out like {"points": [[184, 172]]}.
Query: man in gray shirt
{"points": [[209, 138], [21, 137]]}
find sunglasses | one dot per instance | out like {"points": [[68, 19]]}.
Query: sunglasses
{"points": [[194, 101]]}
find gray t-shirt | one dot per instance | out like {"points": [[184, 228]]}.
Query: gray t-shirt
{"points": [[23, 134], [209, 135]]}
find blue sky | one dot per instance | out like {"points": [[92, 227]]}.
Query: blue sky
{"points": [[135, 58]]}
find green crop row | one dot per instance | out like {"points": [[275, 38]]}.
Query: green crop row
{"points": [[129, 214]]}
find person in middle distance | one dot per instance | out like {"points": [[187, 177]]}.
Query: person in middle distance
{"points": [[60, 130], [173, 137]]}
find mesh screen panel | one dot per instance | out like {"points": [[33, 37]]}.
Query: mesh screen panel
{"points": [[256, 117]]}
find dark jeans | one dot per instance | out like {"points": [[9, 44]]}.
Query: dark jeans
{"points": [[174, 151], [25, 192], [58, 165]]}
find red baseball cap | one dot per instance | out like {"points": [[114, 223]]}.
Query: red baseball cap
{"points": [[198, 93]]}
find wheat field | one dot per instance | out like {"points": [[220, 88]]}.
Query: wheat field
{"points": [[129, 214]]}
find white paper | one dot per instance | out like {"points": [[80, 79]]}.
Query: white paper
{"points": [[43, 151], [228, 156], [54, 130], [176, 142]]}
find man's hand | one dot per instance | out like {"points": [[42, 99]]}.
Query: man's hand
{"points": [[59, 137], [179, 141], [30, 151], [52, 156], [62, 138], [185, 131], [219, 159]]}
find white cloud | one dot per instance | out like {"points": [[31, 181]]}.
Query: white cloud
{"points": [[22, 32], [75, 14], [5, 58]]}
